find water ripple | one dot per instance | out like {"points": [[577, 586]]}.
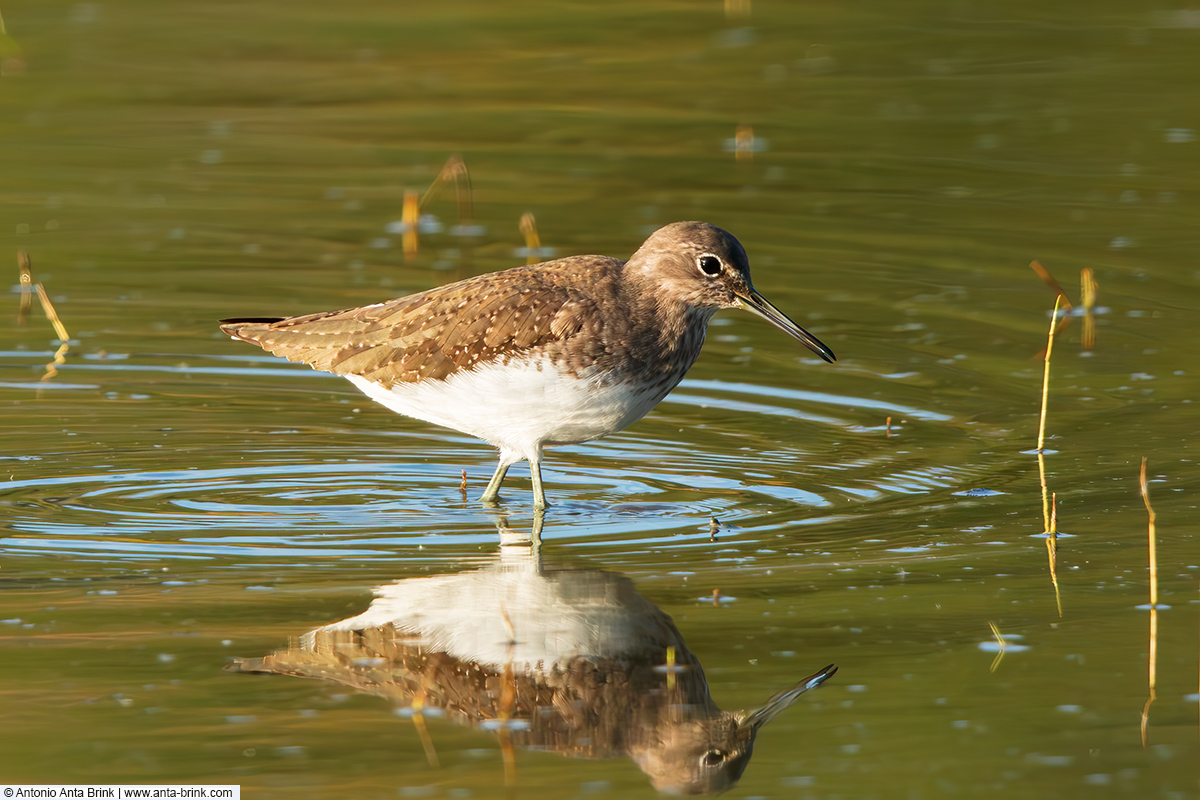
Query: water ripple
{"points": [[313, 495]]}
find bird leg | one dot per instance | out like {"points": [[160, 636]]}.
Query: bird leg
{"points": [[539, 493], [492, 493]]}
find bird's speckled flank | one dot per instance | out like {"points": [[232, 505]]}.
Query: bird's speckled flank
{"points": [[561, 352]]}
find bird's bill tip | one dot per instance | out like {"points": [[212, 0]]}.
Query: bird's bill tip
{"points": [[759, 306], [783, 700]]}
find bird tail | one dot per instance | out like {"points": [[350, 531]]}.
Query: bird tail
{"points": [[243, 328]]}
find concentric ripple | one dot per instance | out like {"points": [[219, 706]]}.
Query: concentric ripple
{"points": [[764, 461]]}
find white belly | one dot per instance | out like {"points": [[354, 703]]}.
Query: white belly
{"points": [[522, 405], [557, 617]]}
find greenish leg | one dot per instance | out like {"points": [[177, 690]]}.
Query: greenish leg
{"points": [[492, 493], [539, 492], [535, 535]]}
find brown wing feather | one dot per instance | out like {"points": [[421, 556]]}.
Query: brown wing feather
{"points": [[432, 334]]}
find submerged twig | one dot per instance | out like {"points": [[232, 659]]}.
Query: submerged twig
{"points": [[1000, 641], [508, 702], [1045, 492], [1150, 678], [1052, 549], [1050, 529]]}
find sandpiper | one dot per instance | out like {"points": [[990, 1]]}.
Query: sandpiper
{"points": [[575, 662], [561, 352]]}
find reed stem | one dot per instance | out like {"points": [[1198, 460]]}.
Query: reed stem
{"points": [[1046, 377]]}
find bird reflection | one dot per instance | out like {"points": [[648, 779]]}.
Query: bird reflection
{"points": [[570, 661]]}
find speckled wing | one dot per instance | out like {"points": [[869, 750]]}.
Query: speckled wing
{"points": [[431, 335]]}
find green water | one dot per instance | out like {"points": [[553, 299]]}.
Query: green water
{"points": [[173, 499]]}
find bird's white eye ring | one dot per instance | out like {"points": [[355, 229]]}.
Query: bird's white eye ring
{"points": [[709, 264]]}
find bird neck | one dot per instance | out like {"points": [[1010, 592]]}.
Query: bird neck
{"points": [[663, 320]]}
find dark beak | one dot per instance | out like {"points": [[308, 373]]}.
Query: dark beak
{"points": [[761, 716], [758, 305]]}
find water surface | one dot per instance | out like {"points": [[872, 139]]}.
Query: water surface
{"points": [[173, 500]]}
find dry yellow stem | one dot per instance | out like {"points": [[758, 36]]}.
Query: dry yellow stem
{"points": [[410, 216], [1150, 534], [454, 169], [418, 706], [1046, 378], [1088, 301], [1048, 279], [743, 143], [533, 242], [737, 8], [60, 355], [1003, 646], [1152, 667], [26, 278], [52, 315], [1150, 678], [1052, 549]]}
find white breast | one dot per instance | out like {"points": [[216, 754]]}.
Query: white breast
{"points": [[524, 404], [496, 617]]}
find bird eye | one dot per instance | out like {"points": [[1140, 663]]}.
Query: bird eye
{"points": [[710, 265], [712, 758]]}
